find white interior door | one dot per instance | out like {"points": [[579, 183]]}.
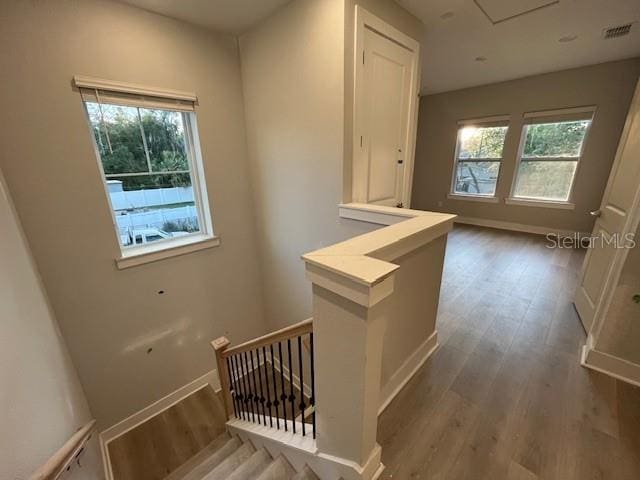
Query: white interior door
{"points": [[621, 194], [387, 68], [385, 109]]}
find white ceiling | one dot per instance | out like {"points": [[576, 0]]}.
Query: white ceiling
{"points": [[520, 46], [459, 31], [230, 16]]}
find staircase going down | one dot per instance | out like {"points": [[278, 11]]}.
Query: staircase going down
{"points": [[229, 458]]}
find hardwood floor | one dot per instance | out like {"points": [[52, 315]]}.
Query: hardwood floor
{"points": [[504, 396], [160, 445], [163, 443]]}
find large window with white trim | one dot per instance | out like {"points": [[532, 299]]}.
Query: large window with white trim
{"points": [[148, 153], [478, 158], [550, 152]]}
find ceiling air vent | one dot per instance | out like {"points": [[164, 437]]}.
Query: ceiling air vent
{"points": [[617, 31]]}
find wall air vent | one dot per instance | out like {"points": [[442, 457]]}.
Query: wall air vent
{"points": [[617, 31]]}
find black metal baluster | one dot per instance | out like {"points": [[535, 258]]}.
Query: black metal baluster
{"points": [[275, 387], [256, 398], [283, 397], [302, 405], [247, 379], [238, 382], [292, 397], [260, 390], [232, 388], [241, 379], [312, 400], [266, 379]]}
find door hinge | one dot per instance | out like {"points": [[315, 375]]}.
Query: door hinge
{"points": [[360, 141], [363, 57]]}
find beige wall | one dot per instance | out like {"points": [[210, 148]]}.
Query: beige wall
{"points": [[293, 81], [609, 86], [413, 307], [298, 116], [42, 401], [111, 318]]}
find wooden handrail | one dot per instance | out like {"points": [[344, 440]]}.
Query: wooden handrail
{"points": [[60, 460], [292, 331]]}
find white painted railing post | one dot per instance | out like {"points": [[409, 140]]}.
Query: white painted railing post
{"points": [[349, 321]]}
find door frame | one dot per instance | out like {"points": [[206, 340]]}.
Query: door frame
{"points": [[366, 20], [590, 354]]}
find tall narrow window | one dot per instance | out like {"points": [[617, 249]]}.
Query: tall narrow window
{"points": [[149, 156], [478, 158], [550, 151]]}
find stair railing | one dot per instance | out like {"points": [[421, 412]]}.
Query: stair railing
{"points": [[270, 380]]}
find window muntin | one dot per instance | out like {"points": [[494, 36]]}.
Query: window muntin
{"points": [[478, 158], [147, 157], [550, 153]]}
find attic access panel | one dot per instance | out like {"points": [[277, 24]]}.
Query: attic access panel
{"points": [[502, 10]]}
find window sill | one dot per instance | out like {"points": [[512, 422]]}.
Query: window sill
{"points": [[168, 249], [473, 198], [527, 202]]}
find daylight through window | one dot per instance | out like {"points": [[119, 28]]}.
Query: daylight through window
{"points": [[478, 158], [146, 150], [550, 152]]}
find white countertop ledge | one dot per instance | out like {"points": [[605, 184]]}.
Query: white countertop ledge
{"points": [[367, 259]]}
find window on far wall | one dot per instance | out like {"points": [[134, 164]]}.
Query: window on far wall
{"points": [[550, 153], [149, 157], [478, 159]]}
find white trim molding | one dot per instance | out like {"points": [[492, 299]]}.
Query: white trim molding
{"points": [[610, 365], [407, 370], [520, 227], [93, 83], [589, 111], [378, 214], [166, 249], [301, 451], [484, 120], [473, 198], [530, 202]]}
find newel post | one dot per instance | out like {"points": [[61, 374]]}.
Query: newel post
{"points": [[349, 322], [219, 346]]}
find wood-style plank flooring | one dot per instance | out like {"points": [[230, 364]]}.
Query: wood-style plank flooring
{"points": [[504, 396], [160, 445]]}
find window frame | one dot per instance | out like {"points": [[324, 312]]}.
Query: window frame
{"points": [[485, 122], [151, 98], [565, 115]]}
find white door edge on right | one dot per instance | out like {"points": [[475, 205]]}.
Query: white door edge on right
{"points": [[613, 220]]}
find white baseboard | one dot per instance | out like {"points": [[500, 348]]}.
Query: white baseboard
{"points": [[610, 365], [519, 227], [106, 436], [407, 370]]}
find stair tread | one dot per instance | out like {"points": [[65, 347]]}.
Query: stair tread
{"points": [[231, 463], [207, 459], [252, 467], [306, 474], [278, 469]]}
